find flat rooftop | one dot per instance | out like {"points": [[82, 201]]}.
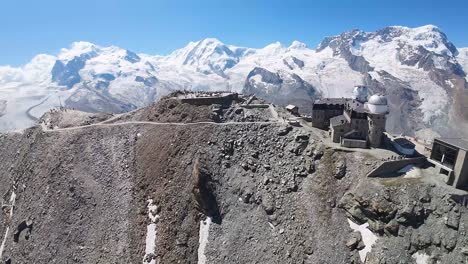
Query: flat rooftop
{"points": [[457, 142]]}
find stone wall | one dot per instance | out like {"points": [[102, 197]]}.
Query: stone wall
{"points": [[393, 166], [461, 170], [353, 143], [321, 117]]}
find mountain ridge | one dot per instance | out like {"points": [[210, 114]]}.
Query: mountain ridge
{"points": [[94, 78]]}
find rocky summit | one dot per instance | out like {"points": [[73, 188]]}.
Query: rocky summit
{"points": [[213, 178]]}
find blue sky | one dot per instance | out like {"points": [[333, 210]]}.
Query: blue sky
{"points": [[30, 27]]}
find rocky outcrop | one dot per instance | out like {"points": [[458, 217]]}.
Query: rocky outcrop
{"points": [[410, 216], [204, 192]]}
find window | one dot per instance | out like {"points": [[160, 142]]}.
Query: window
{"points": [[444, 171], [444, 154]]}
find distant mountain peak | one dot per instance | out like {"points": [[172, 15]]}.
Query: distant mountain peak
{"points": [[273, 48], [297, 45], [77, 49], [210, 41], [425, 28]]}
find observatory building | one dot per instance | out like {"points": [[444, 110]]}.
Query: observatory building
{"points": [[356, 122]]}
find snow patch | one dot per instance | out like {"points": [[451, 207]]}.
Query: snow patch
{"points": [[2, 246], [203, 239], [421, 258], [410, 171], [12, 203], [151, 233], [368, 238]]}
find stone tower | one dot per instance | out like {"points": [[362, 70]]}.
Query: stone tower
{"points": [[377, 110]]}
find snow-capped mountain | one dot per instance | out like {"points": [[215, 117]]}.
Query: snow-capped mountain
{"points": [[208, 56], [422, 72]]}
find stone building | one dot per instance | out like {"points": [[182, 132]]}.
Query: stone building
{"points": [[353, 122], [350, 128], [449, 156], [324, 109]]}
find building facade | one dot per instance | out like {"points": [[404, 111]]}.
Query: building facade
{"points": [[449, 156]]}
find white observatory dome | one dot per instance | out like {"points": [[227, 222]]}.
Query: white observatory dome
{"points": [[377, 104], [360, 93]]}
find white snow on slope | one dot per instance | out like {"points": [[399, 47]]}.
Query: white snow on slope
{"points": [[383, 56], [203, 239], [462, 58], [12, 202], [2, 245], [151, 233], [405, 42], [368, 238]]}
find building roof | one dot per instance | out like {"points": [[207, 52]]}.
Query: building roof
{"points": [[457, 142], [331, 101], [338, 120]]}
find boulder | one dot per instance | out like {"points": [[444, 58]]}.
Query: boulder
{"points": [[392, 227], [352, 243], [449, 239], [268, 203], [310, 166], [284, 131], [453, 218], [340, 168], [354, 240], [302, 137]]}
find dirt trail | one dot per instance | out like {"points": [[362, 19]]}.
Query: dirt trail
{"points": [[103, 124]]}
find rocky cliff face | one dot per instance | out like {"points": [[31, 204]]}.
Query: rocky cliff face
{"points": [[166, 184]]}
